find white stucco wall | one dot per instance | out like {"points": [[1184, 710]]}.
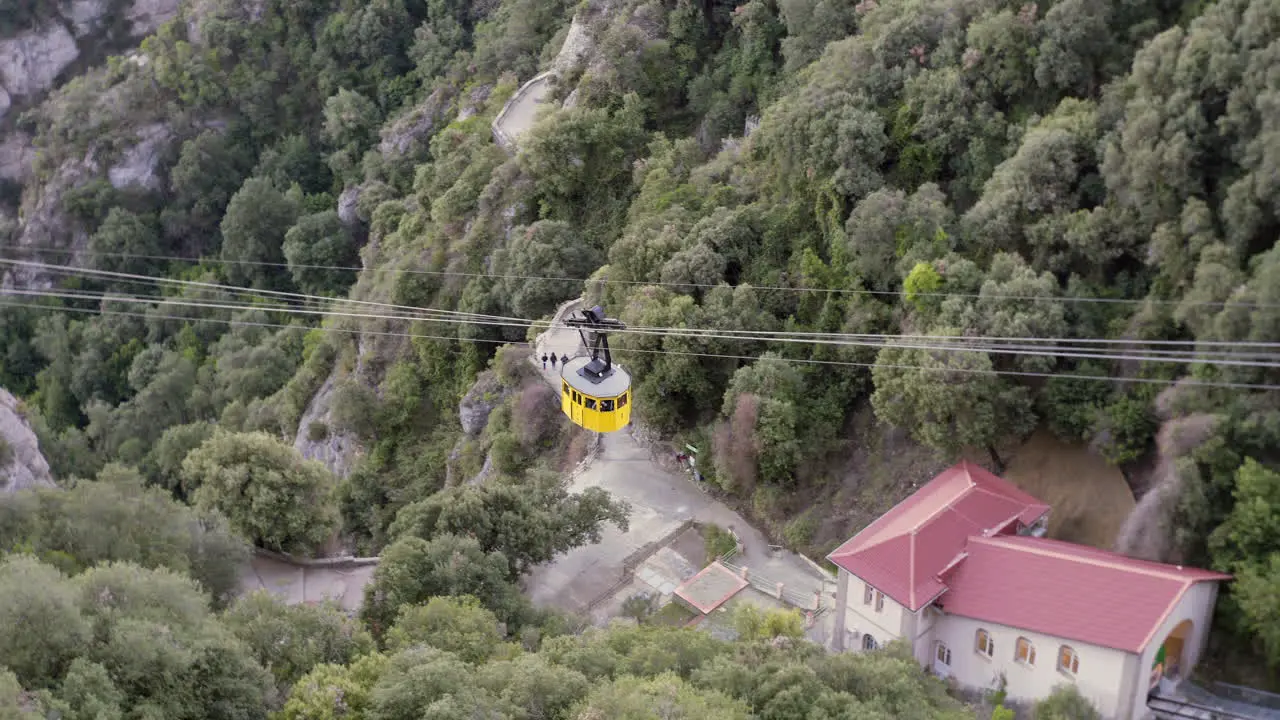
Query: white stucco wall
{"points": [[889, 624], [1195, 605], [1103, 675]]}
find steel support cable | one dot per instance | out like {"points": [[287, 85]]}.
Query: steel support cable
{"points": [[701, 335], [608, 281], [452, 338], [88, 272], [781, 336]]}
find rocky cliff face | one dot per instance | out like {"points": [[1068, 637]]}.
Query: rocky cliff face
{"points": [[21, 464], [335, 449], [32, 61]]}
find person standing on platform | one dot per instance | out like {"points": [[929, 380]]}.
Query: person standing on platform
{"points": [[553, 361], [544, 361]]}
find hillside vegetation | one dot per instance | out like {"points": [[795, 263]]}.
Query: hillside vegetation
{"points": [[1077, 169]]}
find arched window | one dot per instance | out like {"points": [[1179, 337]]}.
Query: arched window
{"points": [[1025, 652], [1068, 660], [868, 642], [943, 654], [983, 644]]}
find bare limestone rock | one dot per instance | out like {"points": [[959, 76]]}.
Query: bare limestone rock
{"points": [[138, 164], [5, 102], [32, 60], [45, 225], [146, 16], [84, 15], [578, 44], [485, 395], [335, 449], [16, 155], [409, 134], [21, 464], [348, 206]]}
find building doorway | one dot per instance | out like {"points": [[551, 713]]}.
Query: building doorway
{"points": [[1170, 661]]}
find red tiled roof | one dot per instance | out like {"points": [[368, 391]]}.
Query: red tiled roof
{"points": [[1066, 590], [902, 553]]}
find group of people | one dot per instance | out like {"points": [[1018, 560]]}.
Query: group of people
{"points": [[563, 359]]}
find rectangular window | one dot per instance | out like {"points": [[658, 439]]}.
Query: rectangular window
{"points": [[565, 388], [879, 601], [591, 403], [606, 406], [622, 400], [944, 654], [867, 593]]}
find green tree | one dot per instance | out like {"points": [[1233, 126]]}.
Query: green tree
{"points": [[458, 625], [253, 231], [210, 168], [331, 692], [116, 519], [664, 696], [41, 628], [546, 249], [1066, 703], [291, 640], [413, 570], [1254, 593], [752, 623], [529, 521], [316, 248], [532, 684], [270, 494], [949, 400], [126, 242]]}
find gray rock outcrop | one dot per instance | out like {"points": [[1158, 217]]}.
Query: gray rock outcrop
{"points": [[22, 465], [137, 165], [30, 61], [16, 155], [146, 16], [85, 16], [336, 450], [349, 206], [409, 134], [479, 402]]}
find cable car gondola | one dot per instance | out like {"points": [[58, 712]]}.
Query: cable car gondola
{"points": [[594, 393]]}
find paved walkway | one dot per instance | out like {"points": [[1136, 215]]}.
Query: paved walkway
{"points": [[660, 501], [295, 584], [520, 112]]}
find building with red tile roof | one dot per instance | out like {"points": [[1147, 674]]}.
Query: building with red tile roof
{"points": [[960, 570]]}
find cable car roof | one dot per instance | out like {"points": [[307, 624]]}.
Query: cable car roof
{"points": [[614, 385]]}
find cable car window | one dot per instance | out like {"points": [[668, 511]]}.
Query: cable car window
{"points": [[565, 386], [577, 399], [622, 400], [606, 406], [591, 403]]}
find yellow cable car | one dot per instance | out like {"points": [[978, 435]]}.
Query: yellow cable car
{"points": [[595, 393]]}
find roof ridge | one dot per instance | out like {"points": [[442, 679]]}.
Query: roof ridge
{"points": [[1039, 549], [949, 505]]}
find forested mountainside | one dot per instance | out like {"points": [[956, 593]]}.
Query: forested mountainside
{"points": [[1099, 174]]}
